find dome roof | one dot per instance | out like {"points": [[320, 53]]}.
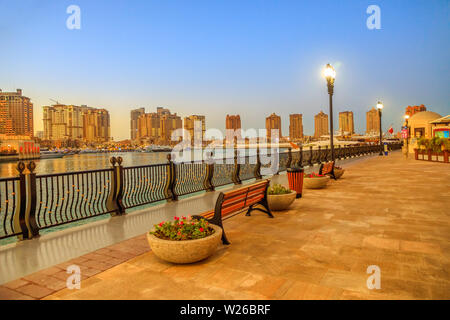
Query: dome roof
{"points": [[425, 116]]}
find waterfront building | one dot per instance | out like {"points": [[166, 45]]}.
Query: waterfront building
{"points": [[373, 122], [321, 125], [157, 127], [295, 127], [346, 124], [273, 122], [96, 125], [69, 122], [233, 127], [195, 126], [16, 114], [134, 116]]}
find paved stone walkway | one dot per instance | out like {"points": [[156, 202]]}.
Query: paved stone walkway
{"points": [[386, 211]]}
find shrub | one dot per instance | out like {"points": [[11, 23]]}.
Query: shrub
{"points": [[423, 143], [183, 228], [278, 189], [446, 143], [314, 175], [435, 144]]}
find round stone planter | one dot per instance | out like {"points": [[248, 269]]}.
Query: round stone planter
{"points": [[315, 183], [338, 173], [185, 251], [279, 202]]}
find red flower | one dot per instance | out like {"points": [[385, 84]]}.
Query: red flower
{"points": [[181, 223], [201, 229]]}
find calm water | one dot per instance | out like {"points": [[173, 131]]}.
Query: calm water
{"points": [[92, 161]]}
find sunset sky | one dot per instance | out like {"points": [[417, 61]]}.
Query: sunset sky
{"points": [[216, 57]]}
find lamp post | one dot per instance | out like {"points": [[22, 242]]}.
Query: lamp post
{"points": [[330, 74], [379, 107], [407, 134]]}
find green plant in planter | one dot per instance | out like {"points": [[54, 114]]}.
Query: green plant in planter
{"points": [[423, 143], [446, 143], [183, 228], [435, 144], [278, 189]]}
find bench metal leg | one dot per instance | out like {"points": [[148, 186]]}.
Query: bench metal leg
{"points": [[267, 210]]}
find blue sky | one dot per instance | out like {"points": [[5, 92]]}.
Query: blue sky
{"points": [[216, 57]]}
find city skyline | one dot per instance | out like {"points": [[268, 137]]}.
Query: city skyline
{"points": [[218, 70]]}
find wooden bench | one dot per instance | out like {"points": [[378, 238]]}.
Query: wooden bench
{"points": [[327, 169], [235, 201]]}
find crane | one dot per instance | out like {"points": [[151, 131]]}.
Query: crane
{"points": [[54, 100]]}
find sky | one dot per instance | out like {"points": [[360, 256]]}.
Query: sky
{"points": [[219, 57]]}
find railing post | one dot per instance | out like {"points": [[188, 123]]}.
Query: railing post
{"points": [[21, 203], [326, 153], [237, 169], [207, 184], [115, 197], [319, 155], [30, 216], [288, 165], [171, 180], [310, 156], [300, 160], [257, 171]]}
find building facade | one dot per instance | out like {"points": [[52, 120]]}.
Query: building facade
{"points": [[295, 127], [76, 123], [273, 122], [134, 116], [16, 114], [346, 124], [321, 125], [233, 127], [373, 121], [157, 127], [96, 125], [195, 127]]}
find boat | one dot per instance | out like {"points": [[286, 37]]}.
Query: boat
{"points": [[51, 154]]}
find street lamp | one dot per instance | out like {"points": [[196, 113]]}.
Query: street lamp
{"points": [[407, 134], [330, 74], [379, 107]]}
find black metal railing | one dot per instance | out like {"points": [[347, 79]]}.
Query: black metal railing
{"points": [[30, 203]]}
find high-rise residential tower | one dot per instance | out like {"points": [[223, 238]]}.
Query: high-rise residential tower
{"points": [[372, 121], [233, 127], [321, 125], [134, 116], [346, 124], [295, 127], [195, 127], [16, 114], [157, 127], [273, 122]]}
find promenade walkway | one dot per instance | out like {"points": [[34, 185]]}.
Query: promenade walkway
{"points": [[385, 211]]}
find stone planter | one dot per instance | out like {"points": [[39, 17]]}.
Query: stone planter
{"points": [[279, 202], [185, 251], [338, 173], [315, 183]]}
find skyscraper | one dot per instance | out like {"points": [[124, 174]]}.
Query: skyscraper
{"points": [[69, 122], [273, 122], [96, 125], [157, 127], [16, 114], [233, 122], [195, 126], [295, 126], [346, 124], [372, 121], [134, 116], [321, 125]]}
